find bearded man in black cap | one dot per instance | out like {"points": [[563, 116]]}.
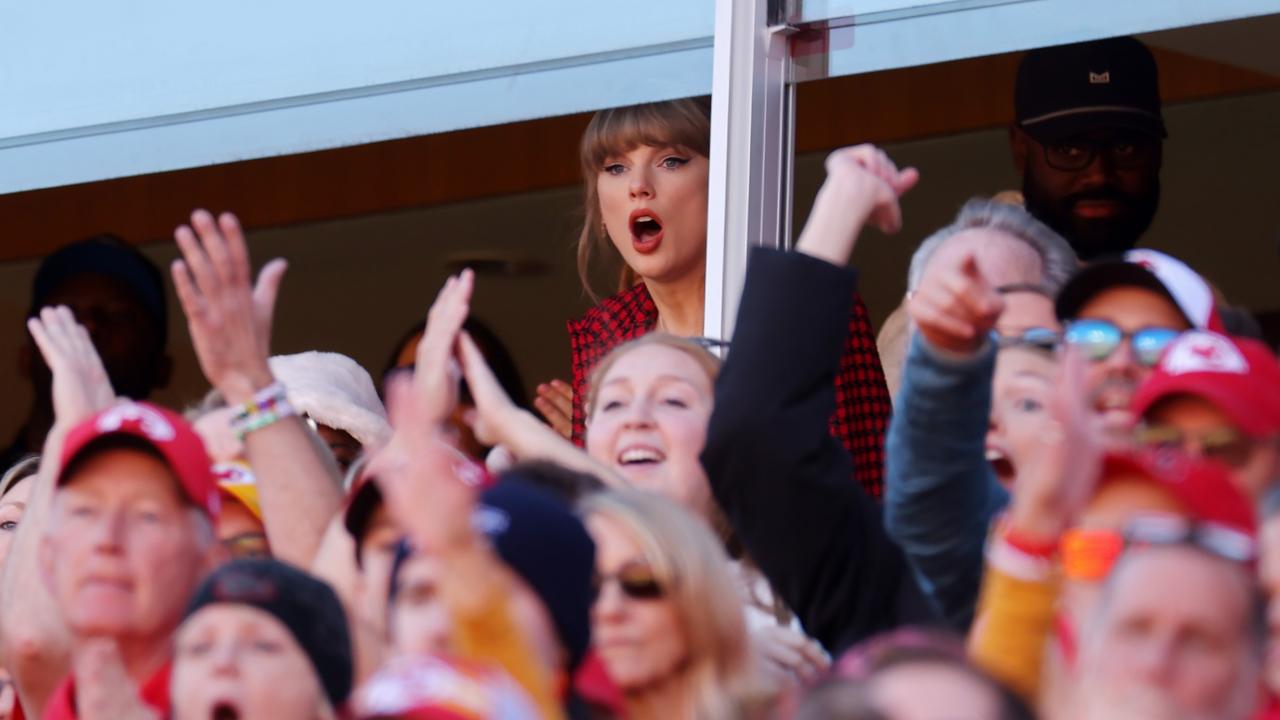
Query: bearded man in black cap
{"points": [[118, 295], [1088, 142]]}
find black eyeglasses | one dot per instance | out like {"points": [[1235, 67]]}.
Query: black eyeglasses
{"points": [[1124, 153], [1099, 338], [635, 580], [1167, 530]]}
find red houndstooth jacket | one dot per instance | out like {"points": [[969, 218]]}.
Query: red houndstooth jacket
{"points": [[862, 398]]}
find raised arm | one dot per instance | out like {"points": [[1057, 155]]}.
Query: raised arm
{"points": [[431, 492], [940, 491], [230, 318], [33, 637], [777, 473]]}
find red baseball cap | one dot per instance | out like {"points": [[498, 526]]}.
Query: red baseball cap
{"points": [[1203, 487], [167, 432], [1239, 376]]}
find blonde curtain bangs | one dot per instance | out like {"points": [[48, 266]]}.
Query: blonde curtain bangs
{"points": [[709, 363], [693, 568], [684, 124]]}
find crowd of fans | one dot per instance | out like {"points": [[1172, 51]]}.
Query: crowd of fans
{"points": [[1068, 508]]}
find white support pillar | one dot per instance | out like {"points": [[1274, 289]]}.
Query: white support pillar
{"points": [[752, 111]]}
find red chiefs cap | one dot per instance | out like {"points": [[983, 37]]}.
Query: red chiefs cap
{"points": [[1203, 487], [1239, 376], [163, 430]]}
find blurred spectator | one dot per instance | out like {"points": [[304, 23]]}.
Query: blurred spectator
{"points": [[1180, 631], [130, 538], [910, 675], [117, 294], [15, 493], [819, 540], [1088, 142], [261, 639], [1216, 397], [240, 527], [666, 618], [1122, 314], [968, 398]]}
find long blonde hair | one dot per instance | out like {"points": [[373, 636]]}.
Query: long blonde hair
{"points": [[685, 124], [720, 672]]}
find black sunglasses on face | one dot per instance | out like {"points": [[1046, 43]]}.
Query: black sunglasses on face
{"points": [[635, 580]]}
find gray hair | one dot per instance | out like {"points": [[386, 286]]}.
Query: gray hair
{"points": [[1057, 259]]}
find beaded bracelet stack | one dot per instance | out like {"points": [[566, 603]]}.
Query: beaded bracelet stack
{"points": [[268, 406]]}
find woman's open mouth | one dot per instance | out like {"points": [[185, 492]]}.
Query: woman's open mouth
{"points": [[646, 230]]}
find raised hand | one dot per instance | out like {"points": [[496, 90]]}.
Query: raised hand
{"points": [[81, 386], [555, 403], [1059, 467], [955, 307], [862, 186], [436, 372], [494, 409], [429, 485], [228, 317]]}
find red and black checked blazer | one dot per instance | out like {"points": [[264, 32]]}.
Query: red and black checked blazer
{"points": [[862, 398]]}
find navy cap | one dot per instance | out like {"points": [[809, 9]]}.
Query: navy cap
{"points": [[112, 257], [1067, 90], [308, 607], [540, 538]]}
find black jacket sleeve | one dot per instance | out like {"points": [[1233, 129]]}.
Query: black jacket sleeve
{"points": [[781, 479]]}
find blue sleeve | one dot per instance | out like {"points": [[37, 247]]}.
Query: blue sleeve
{"points": [[940, 491]]}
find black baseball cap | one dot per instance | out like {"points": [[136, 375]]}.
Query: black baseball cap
{"points": [[1067, 90], [112, 257]]}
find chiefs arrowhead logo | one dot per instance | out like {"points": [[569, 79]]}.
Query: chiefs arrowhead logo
{"points": [[1203, 352], [151, 423]]}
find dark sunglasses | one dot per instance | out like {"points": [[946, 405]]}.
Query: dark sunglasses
{"points": [[1099, 338], [1124, 154], [635, 580], [1167, 530], [1224, 444]]}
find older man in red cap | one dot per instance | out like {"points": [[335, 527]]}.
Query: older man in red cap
{"points": [[130, 536], [1217, 397]]}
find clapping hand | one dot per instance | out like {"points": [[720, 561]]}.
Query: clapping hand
{"points": [[229, 318]]}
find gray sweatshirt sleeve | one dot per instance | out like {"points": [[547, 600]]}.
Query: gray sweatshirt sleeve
{"points": [[940, 491]]}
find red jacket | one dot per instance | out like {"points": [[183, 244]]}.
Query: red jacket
{"points": [[155, 693], [862, 398]]}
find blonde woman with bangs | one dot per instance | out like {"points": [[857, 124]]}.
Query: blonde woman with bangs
{"points": [[667, 621], [645, 179]]}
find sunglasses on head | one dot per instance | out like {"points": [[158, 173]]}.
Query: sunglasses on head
{"points": [[1217, 540], [635, 580], [1088, 555], [1223, 444], [1099, 338]]}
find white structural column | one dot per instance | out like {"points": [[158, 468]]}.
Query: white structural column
{"points": [[752, 107]]}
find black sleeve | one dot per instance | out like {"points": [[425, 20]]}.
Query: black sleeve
{"points": [[780, 477]]}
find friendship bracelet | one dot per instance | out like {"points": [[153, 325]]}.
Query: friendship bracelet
{"points": [[262, 419], [268, 406], [264, 400]]}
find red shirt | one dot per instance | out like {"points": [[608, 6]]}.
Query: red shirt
{"points": [[155, 693], [862, 398]]}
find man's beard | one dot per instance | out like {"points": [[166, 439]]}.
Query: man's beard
{"points": [[1092, 238]]}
